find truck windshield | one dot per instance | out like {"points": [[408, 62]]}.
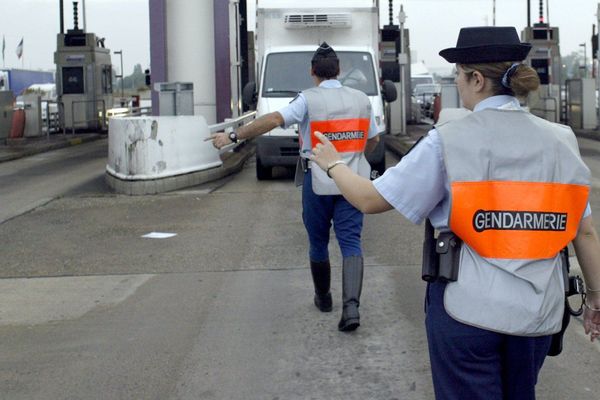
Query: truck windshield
{"points": [[288, 73]]}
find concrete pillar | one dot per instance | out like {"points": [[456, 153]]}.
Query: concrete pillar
{"points": [[158, 47], [191, 51], [222, 59]]}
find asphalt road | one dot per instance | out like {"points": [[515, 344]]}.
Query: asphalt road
{"points": [[89, 309]]}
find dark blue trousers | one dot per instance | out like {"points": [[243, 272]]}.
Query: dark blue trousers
{"points": [[469, 363], [318, 212]]}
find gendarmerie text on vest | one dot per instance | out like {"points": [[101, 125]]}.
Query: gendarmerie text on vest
{"points": [[519, 220], [347, 135]]}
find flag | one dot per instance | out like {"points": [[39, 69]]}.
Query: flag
{"points": [[20, 49]]}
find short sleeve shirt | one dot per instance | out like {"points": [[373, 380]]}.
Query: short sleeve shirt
{"points": [[418, 186], [297, 113]]}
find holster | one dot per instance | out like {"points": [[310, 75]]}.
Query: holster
{"points": [[441, 256], [448, 248]]}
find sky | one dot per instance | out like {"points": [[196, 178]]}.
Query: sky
{"points": [[124, 24], [433, 25]]}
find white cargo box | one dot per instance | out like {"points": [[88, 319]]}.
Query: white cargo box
{"points": [[293, 23]]}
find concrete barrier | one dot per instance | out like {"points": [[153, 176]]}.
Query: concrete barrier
{"points": [[144, 148], [155, 154]]}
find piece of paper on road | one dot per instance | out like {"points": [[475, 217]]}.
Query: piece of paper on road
{"points": [[159, 235]]}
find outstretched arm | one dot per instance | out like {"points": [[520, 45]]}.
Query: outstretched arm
{"points": [[587, 249], [359, 191], [256, 128]]}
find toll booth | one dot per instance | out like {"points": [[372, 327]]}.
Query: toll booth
{"points": [[581, 103], [390, 59], [83, 79], [544, 57], [175, 98]]}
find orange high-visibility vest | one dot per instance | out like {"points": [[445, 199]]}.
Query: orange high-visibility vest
{"points": [[518, 190], [343, 115]]}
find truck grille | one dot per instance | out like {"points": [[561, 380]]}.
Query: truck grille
{"points": [[295, 21]]}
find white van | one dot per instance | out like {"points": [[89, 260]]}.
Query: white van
{"points": [[287, 35]]}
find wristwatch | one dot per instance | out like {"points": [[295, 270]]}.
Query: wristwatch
{"points": [[233, 136]]}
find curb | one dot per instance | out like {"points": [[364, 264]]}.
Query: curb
{"points": [[593, 135], [232, 162], [16, 151], [398, 145]]}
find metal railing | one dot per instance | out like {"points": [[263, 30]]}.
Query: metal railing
{"points": [[231, 123], [51, 121], [129, 112], [544, 110], [100, 119]]}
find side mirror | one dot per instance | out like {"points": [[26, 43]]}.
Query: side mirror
{"points": [[249, 95], [388, 90]]}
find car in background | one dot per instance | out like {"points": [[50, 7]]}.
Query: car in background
{"points": [[421, 79], [425, 94]]}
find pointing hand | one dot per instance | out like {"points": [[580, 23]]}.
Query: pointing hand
{"points": [[219, 139], [324, 154]]}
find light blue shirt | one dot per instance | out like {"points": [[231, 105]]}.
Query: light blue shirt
{"points": [[297, 113], [418, 187]]}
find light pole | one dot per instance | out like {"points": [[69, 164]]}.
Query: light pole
{"points": [[584, 59], [120, 53], [402, 60]]}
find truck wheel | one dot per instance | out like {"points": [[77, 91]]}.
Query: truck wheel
{"points": [[262, 172]]}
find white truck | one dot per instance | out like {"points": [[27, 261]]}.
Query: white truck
{"points": [[287, 34]]}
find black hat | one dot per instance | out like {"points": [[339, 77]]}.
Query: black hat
{"points": [[324, 51], [487, 44]]}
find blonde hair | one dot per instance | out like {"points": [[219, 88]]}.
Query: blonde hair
{"points": [[523, 80]]}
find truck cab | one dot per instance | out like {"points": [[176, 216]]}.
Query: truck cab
{"points": [[286, 39]]}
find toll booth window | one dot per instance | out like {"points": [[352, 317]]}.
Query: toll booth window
{"points": [[543, 34], [106, 79], [72, 80], [541, 67]]}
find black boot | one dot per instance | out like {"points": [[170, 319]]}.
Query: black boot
{"points": [[352, 276], [321, 274]]}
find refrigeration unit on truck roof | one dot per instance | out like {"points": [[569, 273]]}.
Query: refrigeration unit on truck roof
{"points": [[292, 26], [312, 4]]}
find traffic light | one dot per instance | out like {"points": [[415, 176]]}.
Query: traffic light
{"points": [[147, 77], [595, 46]]}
